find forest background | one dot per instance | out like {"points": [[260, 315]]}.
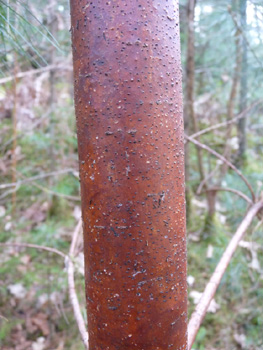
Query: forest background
{"points": [[222, 55]]}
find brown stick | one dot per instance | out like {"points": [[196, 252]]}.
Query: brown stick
{"points": [[219, 156], [209, 292]]}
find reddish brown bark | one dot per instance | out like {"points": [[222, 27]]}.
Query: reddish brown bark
{"points": [[128, 99]]}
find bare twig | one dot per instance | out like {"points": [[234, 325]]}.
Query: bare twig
{"points": [[72, 291], [231, 121], [8, 192], [223, 159], [76, 307], [208, 177], [209, 292], [227, 189], [4, 318], [75, 238], [36, 71], [62, 195], [35, 246], [36, 177], [214, 127]]}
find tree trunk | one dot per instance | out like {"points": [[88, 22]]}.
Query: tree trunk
{"points": [[188, 106], [191, 121], [128, 100], [243, 86]]}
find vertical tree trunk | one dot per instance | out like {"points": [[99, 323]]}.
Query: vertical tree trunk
{"points": [[190, 116], [188, 106], [128, 100], [52, 92], [243, 85]]}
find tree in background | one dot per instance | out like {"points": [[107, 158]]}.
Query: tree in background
{"points": [[242, 140]]}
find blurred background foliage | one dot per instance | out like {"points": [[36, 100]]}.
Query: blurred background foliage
{"points": [[39, 190]]}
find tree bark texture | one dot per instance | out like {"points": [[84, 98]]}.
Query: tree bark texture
{"points": [[128, 100]]}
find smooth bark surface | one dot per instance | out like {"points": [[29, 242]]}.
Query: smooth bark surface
{"points": [[128, 99]]}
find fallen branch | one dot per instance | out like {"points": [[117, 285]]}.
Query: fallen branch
{"points": [[223, 159], [209, 292]]}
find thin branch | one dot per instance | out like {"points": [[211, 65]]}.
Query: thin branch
{"points": [[76, 307], [36, 177], [75, 238], [208, 177], [8, 192], [36, 71], [72, 290], [4, 318], [223, 159], [209, 292], [214, 127], [227, 189], [35, 246], [231, 121], [57, 194]]}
